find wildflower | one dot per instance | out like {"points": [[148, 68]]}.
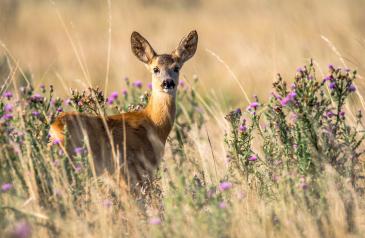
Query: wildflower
{"points": [[59, 109], [8, 95], [79, 103], [56, 142], [7, 116], [149, 86], [78, 168], [124, 92], [52, 102], [6, 187], [300, 70], [352, 88], [252, 158], [222, 205], [332, 85], [242, 128], [68, 102], [331, 67], [238, 111], [303, 184], [137, 84], [110, 100], [284, 101], [35, 113], [253, 105], [310, 77], [155, 221], [327, 78], [342, 114], [114, 95], [329, 114], [22, 229], [36, 98], [79, 150], [8, 108], [182, 83], [224, 186]]}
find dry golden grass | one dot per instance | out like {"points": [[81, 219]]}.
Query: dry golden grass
{"points": [[256, 39]]}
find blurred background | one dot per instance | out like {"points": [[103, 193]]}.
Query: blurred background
{"points": [[70, 42]]}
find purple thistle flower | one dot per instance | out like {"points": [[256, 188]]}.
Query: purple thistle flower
{"points": [[36, 98], [155, 221], [114, 95], [110, 100], [79, 150], [352, 88], [328, 78], [329, 114], [242, 128], [59, 109], [36, 113], [124, 92], [300, 70], [331, 67], [56, 142], [310, 77], [7, 116], [252, 158], [182, 83], [149, 86], [68, 102], [284, 101], [8, 95], [238, 111], [6, 187], [78, 168], [332, 85], [222, 205], [137, 84], [342, 114], [8, 108], [42, 86], [22, 229], [224, 186], [253, 105]]}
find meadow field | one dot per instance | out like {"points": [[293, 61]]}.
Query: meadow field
{"points": [[268, 137]]}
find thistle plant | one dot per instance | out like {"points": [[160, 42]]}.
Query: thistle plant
{"points": [[302, 129]]}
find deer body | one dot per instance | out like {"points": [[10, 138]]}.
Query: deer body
{"points": [[136, 140]]}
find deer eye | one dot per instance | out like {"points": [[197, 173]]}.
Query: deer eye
{"points": [[176, 69], [156, 70]]}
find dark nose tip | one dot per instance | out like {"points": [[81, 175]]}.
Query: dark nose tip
{"points": [[168, 83]]}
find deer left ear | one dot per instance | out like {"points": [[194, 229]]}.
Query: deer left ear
{"points": [[187, 47], [141, 48]]}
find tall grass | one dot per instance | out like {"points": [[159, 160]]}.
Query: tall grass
{"points": [[275, 174]]}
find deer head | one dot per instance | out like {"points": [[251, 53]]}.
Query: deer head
{"points": [[164, 68]]}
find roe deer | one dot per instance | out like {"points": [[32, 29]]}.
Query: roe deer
{"points": [[136, 137]]}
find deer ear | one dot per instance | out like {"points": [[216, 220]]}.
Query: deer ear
{"points": [[187, 47], [141, 48]]}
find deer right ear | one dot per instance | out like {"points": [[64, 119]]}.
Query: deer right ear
{"points": [[141, 48]]}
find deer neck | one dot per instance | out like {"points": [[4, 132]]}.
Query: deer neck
{"points": [[161, 110]]}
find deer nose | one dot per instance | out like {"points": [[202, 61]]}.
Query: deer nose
{"points": [[168, 84]]}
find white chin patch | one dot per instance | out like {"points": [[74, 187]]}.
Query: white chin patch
{"points": [[168, 90]]}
